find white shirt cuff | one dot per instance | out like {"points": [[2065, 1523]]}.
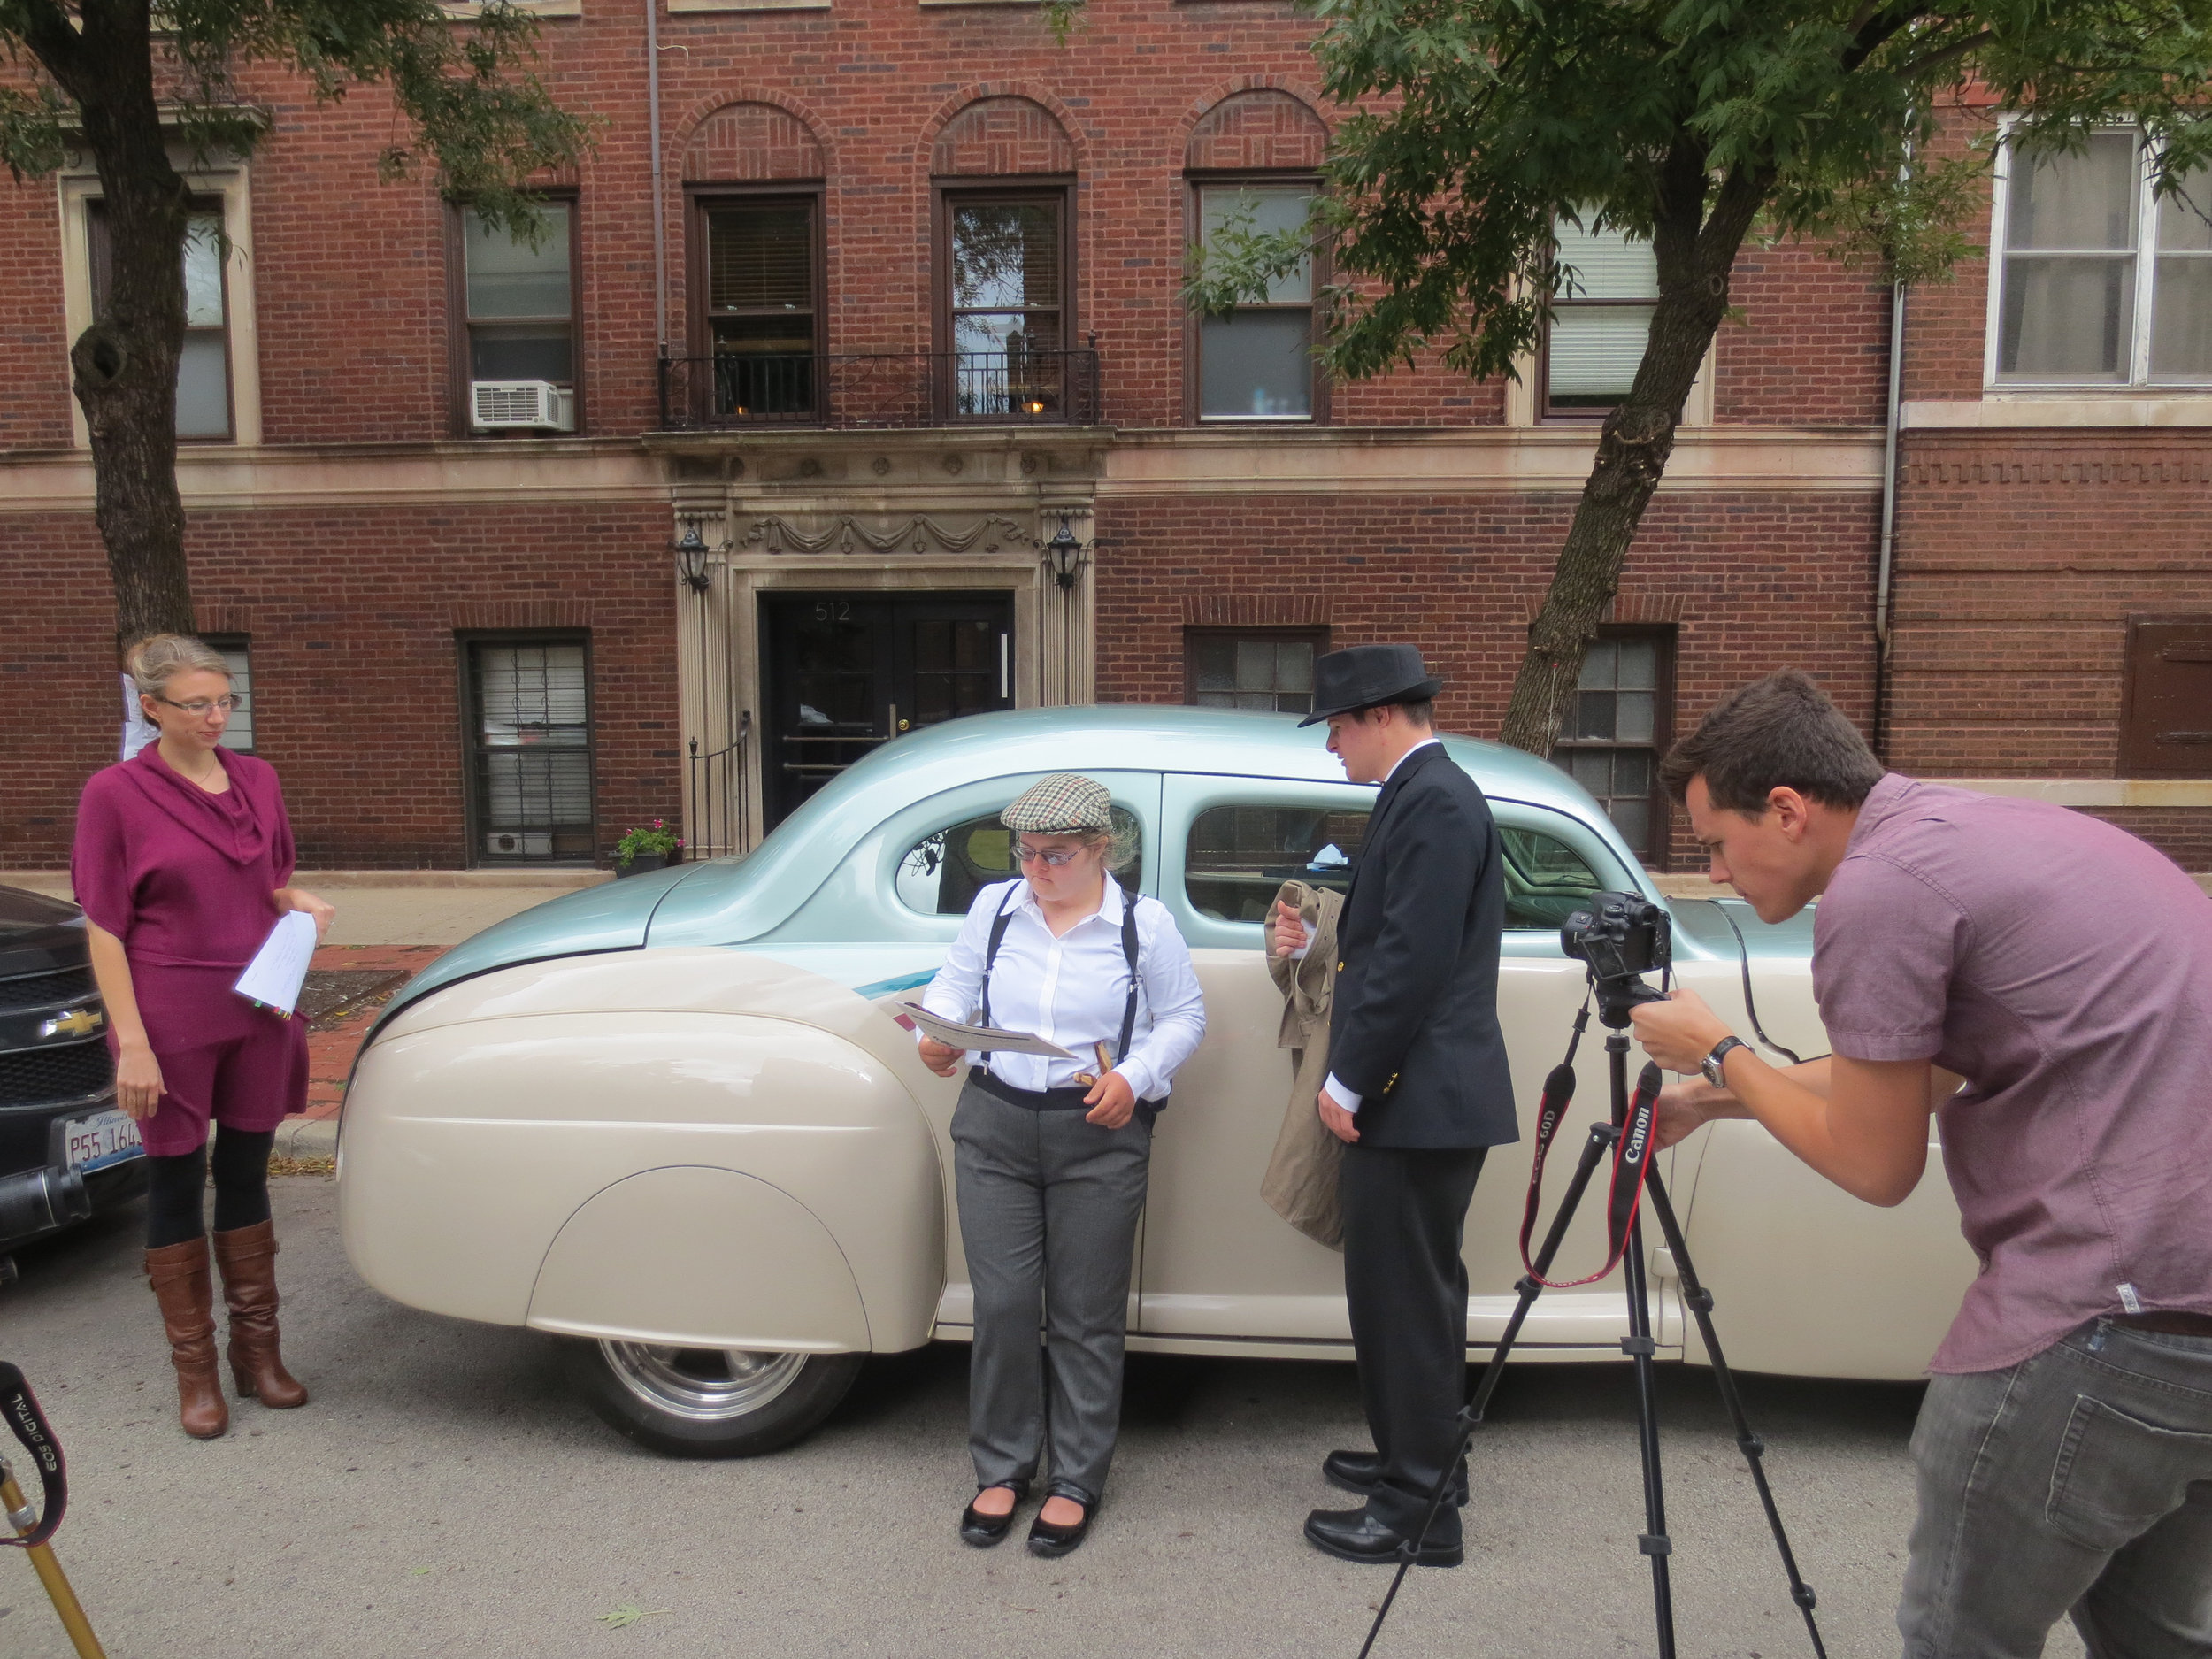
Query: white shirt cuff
{"points": [[1344, 1097]]}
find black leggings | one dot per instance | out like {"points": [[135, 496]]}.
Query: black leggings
{"points": [[175, 1185]]}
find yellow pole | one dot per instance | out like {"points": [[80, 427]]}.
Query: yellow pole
{"points": [[49, 1572]]}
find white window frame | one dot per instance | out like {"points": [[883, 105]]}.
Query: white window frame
{"points": [[78, 187], [2142, 318]]}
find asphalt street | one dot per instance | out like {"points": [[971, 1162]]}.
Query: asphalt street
{"points": [[444, 1493]]}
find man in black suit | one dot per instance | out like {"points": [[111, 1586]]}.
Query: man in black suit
{"points": [[1418, 1088]]}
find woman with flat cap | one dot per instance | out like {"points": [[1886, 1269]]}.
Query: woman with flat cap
{"points": [[1050, 1155]]}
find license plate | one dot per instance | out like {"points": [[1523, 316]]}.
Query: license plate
{"points": [[92, 1143]]}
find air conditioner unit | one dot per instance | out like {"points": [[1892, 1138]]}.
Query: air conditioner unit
{"points": [[519, 843], [529, 405]]}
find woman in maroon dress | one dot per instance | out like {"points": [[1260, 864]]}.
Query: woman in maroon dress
{"points": [[180, 861]]}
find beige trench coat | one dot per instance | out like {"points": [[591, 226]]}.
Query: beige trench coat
{"points": [[1299, 1184]]}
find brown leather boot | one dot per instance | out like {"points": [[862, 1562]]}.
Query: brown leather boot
{"points": [[248, 1258], [179, 1275]]}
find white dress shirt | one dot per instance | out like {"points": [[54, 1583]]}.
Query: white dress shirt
{"points": [[1349, 1099], [1072, 990]]}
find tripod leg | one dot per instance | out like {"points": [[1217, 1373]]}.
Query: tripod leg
{"points": [[50, 1574], [1700, 1302], [1471, 1414], [1638, 1346]]}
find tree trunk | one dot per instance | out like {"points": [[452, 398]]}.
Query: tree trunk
{"points": [[1695, 254], [125, 363]]}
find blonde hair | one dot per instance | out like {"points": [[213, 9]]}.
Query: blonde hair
{"points": [[160, 658]]}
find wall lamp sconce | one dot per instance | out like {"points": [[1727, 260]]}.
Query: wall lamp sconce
{"points": [[691, 559], [1064, 555]]}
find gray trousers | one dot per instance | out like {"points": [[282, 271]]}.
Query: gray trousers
{"points": [[2080, 1482], [1048, 1208]]}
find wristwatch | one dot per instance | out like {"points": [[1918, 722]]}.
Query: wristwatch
{"points": [[1711, 1063]]}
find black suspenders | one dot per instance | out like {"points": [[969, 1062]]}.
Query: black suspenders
{"points": [[1128, 951]]}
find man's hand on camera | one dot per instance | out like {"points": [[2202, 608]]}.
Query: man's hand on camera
{"points": [[940, 1057], [1678, 1032]]}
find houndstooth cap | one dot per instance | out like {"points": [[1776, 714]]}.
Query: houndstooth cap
{"points": [[1065, 803]]}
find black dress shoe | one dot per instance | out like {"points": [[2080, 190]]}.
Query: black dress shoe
{"points": [[1356, 1535], [1354, 1471], [1357, 1471], [983, 1530], [1045, 1538]]}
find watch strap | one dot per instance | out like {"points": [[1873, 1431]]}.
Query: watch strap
{"points": [[1715, 1062]]}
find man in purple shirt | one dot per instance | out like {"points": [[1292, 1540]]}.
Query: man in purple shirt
{"points": [[2042, 983]]}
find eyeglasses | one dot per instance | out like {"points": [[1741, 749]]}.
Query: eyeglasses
{"points": [[200, 707], [1058, 860]]}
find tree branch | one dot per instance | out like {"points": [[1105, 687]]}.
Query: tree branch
{"points": [[45, 29], [1946, 54]]}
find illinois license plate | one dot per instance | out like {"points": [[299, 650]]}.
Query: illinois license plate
{"points": [[95, 1142]]}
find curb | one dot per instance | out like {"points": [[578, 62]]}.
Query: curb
{"points": [[306, 1138]]}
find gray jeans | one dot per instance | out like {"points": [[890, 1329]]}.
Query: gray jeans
{"points": [[1048, 1208], [2077, 1481]]}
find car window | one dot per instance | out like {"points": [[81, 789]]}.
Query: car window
{"points": [[1239, 854], [942, 874], [1546, 880]]}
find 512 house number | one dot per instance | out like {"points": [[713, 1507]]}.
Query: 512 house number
{"points": [[833, 611]]}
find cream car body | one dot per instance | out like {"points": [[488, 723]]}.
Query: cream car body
{"points": [[671, 1117]]}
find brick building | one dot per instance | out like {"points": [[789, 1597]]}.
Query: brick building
{"points": [[852, 390]]}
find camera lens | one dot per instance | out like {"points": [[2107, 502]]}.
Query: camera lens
{"points": [[40, 1200]]}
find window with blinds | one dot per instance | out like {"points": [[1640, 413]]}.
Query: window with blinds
{"points": [[759, 290], [520, 299], [530, 735], [203, 409], [1616, 728], [2102, 282], [238, 734], [1601, 318], [1256, 363], [1004, 301]]}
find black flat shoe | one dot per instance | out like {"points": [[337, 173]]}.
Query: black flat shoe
{"points": [[1357, 1471], [1356, 1535], [1045, 1538], [983, 1530]]}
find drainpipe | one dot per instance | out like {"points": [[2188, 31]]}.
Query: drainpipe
{"points": [[660, 218], [1889, 519]]}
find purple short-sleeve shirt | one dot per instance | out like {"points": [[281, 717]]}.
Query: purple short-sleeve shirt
{"points": [[2064, 970], [181, 876]]}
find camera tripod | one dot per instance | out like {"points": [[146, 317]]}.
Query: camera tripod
{"points": [[1629, 1133]]}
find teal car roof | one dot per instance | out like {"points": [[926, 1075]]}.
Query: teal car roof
{"points": [[728, 899]]}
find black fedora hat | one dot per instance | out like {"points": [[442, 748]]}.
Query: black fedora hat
{"points": [[1361, 676]]}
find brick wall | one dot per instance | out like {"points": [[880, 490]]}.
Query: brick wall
{"points": [[1756, 582], [353, 619]]}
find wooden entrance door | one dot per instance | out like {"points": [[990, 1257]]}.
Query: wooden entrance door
{"points": [[846, 673]]}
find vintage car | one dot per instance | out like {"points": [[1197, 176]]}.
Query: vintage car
{"points": [[672, 1118]]}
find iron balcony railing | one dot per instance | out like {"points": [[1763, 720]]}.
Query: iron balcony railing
{"points": [[918, 388]]}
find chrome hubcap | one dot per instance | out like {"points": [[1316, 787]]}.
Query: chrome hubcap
{"points": [[704, 1384]]}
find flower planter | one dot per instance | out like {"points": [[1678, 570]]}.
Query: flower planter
{"points": [[639, 863]]}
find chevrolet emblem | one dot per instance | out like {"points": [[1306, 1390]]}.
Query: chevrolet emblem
{"points": [[78, 1022]]}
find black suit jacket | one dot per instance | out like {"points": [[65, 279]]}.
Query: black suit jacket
{"points": [[1413, 1024]]}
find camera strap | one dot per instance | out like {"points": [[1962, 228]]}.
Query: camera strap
{"points": [[20, 1406], [1632, 1159]]}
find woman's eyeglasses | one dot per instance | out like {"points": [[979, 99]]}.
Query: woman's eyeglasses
{"points": [[200, 707], [1059, 859]]}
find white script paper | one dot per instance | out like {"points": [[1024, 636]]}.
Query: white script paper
{"points": [[974, 1038], [278, 969]]}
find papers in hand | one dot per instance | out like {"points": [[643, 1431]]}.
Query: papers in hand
{"points": [[954, 1034], [278, 969]]}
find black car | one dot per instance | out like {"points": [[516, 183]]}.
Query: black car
{"points": [[65, 1149]]}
